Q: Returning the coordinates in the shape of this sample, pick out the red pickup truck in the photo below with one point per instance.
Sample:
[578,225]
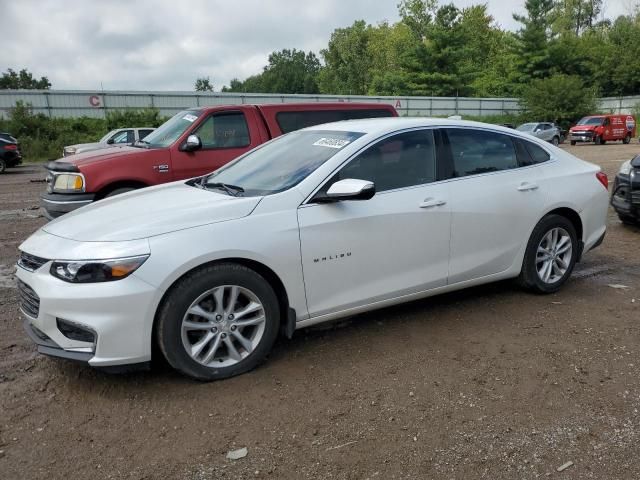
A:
[191,143]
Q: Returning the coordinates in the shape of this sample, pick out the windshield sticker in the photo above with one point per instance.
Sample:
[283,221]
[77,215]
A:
[190,118]
[332,143]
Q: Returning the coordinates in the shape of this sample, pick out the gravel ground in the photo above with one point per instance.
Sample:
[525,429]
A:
[491,382]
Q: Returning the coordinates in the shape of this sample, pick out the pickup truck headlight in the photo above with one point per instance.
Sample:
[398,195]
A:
[94,271]
[625,168]
[69,151]
[67,183]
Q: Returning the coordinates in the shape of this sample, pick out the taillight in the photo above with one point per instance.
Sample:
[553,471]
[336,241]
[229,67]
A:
[602,178]
[10,146]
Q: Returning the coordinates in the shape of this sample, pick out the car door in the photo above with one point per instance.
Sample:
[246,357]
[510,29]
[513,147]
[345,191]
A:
[397,243]
[495,198]
[224,135]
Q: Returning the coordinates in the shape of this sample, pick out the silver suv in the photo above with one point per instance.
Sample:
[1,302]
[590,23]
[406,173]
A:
[543,130]
[118,137]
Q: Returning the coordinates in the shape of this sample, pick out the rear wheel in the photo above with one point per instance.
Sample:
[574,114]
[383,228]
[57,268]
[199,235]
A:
[550,256]
[627,139]
[3,166]
[218,322]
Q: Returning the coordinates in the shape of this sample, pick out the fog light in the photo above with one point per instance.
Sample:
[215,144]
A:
[73,331]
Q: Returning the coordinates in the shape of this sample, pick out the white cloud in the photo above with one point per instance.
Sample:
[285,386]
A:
[166,45]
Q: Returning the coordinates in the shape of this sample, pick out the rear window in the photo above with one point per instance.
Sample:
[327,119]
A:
[291,121]
[538,154]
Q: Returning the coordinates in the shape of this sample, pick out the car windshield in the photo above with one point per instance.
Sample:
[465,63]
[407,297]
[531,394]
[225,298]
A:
[591,121]
[172,129]
[527,127]
[279,164]
[107,136]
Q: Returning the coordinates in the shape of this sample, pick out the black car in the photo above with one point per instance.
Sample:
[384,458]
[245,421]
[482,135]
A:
[625,197]
[10,154]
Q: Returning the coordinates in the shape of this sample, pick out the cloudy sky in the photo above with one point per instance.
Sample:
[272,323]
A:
[167,44]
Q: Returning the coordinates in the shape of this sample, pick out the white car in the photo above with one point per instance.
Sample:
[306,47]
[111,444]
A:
[118,137]
[315,225]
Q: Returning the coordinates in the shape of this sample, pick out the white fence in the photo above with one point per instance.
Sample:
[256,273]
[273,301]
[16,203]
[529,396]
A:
[78,103]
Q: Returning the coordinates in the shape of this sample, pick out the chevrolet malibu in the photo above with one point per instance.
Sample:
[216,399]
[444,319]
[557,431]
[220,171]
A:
[316,225]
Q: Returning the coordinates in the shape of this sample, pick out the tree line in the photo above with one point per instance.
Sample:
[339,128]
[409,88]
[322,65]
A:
[443,50]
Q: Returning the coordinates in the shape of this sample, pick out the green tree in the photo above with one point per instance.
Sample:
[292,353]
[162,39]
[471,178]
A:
[12,80]
[347,61]
[203,84]
[561,98]
[534,40]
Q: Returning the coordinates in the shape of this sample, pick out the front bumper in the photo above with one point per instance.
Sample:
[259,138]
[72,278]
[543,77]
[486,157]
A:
[625,197]
[580,137]
[56,204]
[119,314]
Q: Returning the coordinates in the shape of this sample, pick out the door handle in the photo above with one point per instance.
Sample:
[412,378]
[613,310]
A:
[432,202]
[526,187]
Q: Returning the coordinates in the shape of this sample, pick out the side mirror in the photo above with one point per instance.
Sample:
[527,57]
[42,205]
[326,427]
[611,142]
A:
[110,141]
[348,189]
[192,144]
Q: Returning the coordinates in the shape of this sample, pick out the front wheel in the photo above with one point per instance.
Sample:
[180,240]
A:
[555,141]
[627,139]
[217,322]
[573,142]
[3,166]
[599,140]
[550,256]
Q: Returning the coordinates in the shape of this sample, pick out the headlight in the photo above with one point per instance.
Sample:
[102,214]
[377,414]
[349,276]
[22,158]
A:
[69,151]
[92,271]
[625,168]
[68,183]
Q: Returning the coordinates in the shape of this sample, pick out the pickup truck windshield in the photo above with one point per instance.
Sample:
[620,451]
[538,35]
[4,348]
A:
[591,121]
[172,129]
[281,163]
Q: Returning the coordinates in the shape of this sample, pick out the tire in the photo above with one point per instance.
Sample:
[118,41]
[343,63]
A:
[599,140]
[555,141]
[213,359]
[119,191]
[629,220]
[530,276]
[3,166]
[627,139]
[573,142]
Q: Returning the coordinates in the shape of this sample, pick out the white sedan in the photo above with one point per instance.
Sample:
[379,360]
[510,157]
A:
[316,225]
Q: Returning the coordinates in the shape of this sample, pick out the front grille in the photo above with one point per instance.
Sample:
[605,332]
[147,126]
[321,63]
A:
[31,262]
[635,197]
[29,300]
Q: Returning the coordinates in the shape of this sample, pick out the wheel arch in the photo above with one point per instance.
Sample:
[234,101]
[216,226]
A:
[287,315]
[574,217]
[110,187]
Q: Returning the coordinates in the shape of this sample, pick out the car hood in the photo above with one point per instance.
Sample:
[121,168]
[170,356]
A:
[582,128]
[92,156]
[148,212]
[89,146]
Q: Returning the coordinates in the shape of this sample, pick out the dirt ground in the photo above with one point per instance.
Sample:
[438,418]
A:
[490,383]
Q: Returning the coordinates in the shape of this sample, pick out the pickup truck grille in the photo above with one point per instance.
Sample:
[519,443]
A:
[29,300]
[31,262]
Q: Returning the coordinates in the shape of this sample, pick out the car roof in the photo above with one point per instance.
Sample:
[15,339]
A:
[391,124]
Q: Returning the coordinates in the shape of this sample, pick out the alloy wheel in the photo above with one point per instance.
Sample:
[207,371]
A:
[223,326]
[553,256]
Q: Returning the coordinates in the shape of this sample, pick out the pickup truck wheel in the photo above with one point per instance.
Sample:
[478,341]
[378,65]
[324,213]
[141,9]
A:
[119,191]
[218,322]
[555,141]
[599,140]
[3,166]
[550,256]
[573,142]
[627,139]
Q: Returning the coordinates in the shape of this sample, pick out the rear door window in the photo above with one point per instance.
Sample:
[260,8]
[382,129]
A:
[479,151]
[143,133]
[290,121]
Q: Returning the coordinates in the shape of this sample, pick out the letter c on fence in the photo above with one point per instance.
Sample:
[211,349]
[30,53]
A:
[94,100]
